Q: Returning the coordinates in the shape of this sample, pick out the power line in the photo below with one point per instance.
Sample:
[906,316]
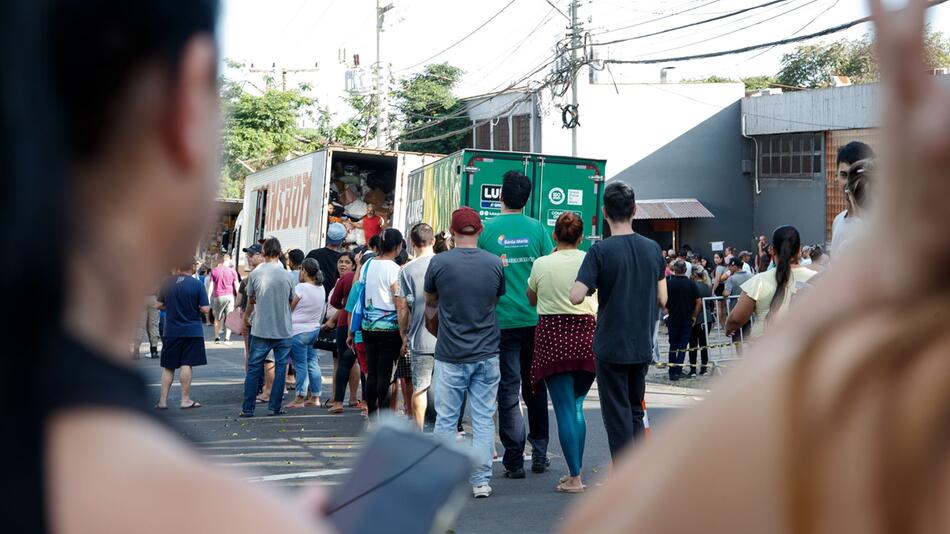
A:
[798,31]
[545,20]
[558,9]
[486,98]
[690,25]
[790,40]
[456,43]
[737,30]
[711,2]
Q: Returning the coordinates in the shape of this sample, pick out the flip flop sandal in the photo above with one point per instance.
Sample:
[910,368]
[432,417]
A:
[562,489]
[157,407]
[192,406]
[336,409]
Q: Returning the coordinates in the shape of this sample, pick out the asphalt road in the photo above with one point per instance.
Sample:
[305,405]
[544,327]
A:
[309,446]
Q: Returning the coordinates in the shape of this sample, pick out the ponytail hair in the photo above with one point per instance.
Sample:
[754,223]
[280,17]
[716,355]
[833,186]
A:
[787,244]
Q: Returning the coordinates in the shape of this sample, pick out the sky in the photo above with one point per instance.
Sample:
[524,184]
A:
[299,34]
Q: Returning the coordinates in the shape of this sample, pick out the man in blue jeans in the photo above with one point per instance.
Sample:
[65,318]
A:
[267,318]
[683,305]
[462,288]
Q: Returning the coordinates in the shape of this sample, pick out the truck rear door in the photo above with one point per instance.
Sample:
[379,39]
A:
[482,173]
[569,184]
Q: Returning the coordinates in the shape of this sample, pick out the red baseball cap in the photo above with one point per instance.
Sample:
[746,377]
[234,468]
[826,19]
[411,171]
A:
[466,221]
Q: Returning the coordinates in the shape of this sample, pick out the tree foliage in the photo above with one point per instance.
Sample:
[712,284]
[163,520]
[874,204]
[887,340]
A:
[814,65]
[425,99]
[263,128]
[757,83]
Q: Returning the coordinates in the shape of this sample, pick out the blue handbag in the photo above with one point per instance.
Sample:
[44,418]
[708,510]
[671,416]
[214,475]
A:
[355,302]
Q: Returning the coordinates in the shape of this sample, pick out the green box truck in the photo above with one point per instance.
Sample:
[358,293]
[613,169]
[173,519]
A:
[473,178]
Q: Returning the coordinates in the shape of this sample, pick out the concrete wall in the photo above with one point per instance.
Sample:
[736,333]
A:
[800,203]
[668,141]
[816,110]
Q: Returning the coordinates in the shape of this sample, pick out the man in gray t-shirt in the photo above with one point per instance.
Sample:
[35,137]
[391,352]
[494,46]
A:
[411,307]
[463,286]
[737,277]
[269,291]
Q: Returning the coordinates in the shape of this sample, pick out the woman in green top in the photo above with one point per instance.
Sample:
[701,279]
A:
[564,342]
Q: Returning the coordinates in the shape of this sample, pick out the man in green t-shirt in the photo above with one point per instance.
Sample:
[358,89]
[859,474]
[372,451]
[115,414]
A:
[518,240]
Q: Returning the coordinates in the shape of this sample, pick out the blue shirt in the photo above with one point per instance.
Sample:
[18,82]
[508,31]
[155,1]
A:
[183,297]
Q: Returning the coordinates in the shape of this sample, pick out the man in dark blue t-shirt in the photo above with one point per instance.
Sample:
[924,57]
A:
[627,271]
[185,301]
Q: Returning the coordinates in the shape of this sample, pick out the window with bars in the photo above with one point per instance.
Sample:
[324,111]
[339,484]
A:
[791,155]
[521,133]
[500,134]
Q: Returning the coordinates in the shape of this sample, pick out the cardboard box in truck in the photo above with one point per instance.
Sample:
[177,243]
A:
[473,178]
[292,200]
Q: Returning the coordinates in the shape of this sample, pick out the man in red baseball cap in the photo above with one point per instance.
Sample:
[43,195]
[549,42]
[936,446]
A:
[463,286]
[465,221]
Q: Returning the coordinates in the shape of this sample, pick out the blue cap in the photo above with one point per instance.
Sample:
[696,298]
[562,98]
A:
[336,234]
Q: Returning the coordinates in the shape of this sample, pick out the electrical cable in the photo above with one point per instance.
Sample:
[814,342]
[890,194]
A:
[737,30]
[486,98]
[659,18]
[796,32]
[789,40]
[507,53]
[456,43]
[558,10]
[690,25]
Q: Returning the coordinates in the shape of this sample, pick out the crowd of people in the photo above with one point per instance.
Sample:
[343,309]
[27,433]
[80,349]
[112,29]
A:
[496,315]
[839,426]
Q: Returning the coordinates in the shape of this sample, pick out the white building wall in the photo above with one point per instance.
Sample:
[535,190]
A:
[626,123]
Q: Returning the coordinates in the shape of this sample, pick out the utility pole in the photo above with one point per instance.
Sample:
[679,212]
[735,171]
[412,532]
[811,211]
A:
[283,72]
[575,42]
[382,118]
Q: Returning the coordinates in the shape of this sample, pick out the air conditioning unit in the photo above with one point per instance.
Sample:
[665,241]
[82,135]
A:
[358,81]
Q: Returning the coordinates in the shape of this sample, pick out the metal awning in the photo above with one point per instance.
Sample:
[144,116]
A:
[672,208]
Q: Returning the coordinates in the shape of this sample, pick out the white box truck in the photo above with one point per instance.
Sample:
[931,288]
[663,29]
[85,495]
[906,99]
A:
[290,201]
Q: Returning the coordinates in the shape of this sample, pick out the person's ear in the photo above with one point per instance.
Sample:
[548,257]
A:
[192,126]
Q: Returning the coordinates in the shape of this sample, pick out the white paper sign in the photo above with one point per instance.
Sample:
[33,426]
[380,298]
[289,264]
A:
[575,197]
[717,246]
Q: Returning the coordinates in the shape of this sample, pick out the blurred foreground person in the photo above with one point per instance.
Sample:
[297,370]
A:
[112,105]
[838,421]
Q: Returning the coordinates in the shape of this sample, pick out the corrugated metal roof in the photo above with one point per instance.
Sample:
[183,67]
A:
[672,208]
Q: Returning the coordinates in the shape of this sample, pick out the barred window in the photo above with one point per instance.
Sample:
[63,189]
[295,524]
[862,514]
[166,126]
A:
[791,155]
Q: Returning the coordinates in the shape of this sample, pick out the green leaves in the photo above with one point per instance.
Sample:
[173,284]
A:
[429,107]
[264,129]
[814,65]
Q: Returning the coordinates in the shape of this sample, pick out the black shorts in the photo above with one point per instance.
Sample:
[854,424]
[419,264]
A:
[178,351]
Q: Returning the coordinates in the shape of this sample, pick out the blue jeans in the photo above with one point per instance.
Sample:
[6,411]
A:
[306,364]
[567,391]
[517,349]
[480,380]
[259,347]
[679,342]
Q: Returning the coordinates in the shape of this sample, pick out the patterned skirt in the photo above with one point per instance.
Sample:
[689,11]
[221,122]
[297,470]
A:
[562,343]
[403,367]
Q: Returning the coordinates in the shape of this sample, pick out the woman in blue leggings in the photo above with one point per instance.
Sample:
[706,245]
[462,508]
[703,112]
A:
[564,342]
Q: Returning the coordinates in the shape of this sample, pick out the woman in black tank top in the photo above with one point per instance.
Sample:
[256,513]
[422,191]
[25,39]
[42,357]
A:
[108,142]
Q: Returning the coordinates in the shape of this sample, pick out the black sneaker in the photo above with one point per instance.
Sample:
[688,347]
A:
[540,464]
[278,412]
[515,473]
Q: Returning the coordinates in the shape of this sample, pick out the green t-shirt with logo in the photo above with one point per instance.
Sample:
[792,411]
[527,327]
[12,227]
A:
[518,240]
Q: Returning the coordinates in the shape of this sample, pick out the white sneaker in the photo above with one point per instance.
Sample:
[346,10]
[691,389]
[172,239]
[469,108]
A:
[481,492]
